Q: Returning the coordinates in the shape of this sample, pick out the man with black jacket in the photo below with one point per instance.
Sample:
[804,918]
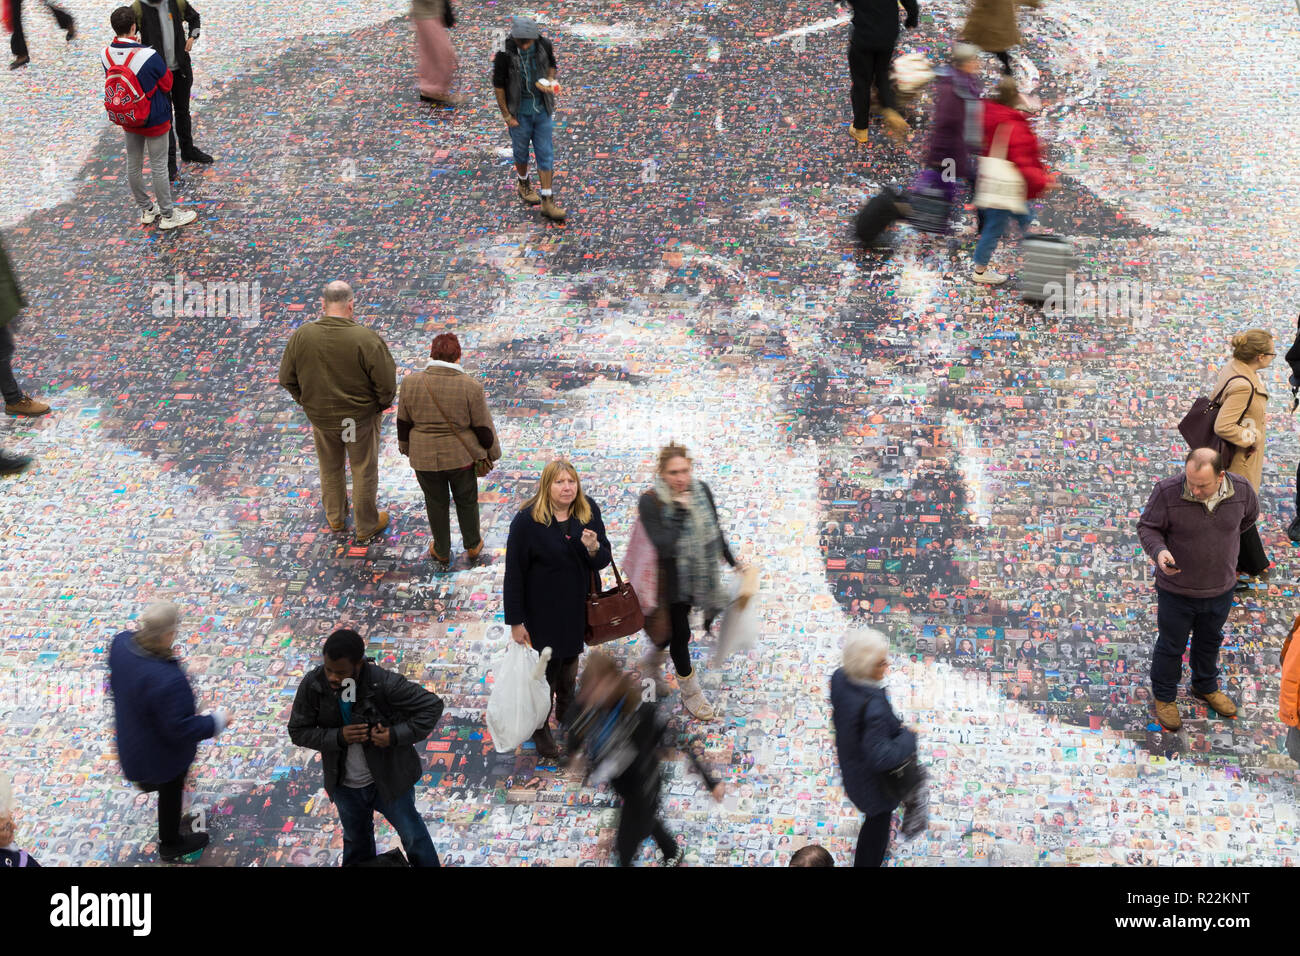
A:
[161,28]
[871,50]
[365,721]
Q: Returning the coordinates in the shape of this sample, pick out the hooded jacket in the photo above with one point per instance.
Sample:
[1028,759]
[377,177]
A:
[508,73]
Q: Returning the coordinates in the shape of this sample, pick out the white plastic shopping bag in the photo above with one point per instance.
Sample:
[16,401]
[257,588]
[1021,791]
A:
[520,699]
[738,631]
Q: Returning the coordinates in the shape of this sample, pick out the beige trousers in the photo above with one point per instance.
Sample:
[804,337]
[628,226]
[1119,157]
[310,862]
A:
[363,452]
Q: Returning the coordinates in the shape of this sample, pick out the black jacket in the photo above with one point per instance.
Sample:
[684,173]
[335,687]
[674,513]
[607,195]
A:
[663,523]
[405,707]
[870,741]
[548,577]
[508,73]
[151,30]
[875,22]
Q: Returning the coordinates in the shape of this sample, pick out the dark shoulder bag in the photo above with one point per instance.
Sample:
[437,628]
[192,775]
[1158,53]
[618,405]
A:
[899,781]
[481,465]
[1197,426]
[614,613]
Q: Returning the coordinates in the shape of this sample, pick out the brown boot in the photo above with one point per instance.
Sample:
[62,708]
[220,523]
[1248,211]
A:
[545,743]
[28,406]
[895,125]
[441,559]
[527,193]
[1222,704]
[552,211]
[1167,714]
[474,552]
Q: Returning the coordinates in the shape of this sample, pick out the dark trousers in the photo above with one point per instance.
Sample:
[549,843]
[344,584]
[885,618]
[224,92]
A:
[357,806]
[639,820]
[679,643]
[562,675]
[182,126]
[1176,617]
[1005,58]
[873,840]
[169,808]
[439,488]
[867,67]
[18,42]
[8,384]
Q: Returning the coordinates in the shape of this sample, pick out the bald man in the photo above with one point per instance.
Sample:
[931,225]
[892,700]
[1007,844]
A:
[1191,527]
[343,376]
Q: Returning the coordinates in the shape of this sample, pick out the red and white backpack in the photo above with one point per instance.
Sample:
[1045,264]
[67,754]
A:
[125,100]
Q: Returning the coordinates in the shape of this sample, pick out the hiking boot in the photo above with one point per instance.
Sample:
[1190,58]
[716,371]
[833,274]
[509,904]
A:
[190,843]
[552,211]
[1168,716]
[545,743]
[9,464]
[196,155]
[147,216]
[527,193]
[383,523]
[179,217]
[26,406]
[861,135]
[988,277]
[1221,703]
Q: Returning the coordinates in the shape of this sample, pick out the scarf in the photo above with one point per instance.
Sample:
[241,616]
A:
[699,548]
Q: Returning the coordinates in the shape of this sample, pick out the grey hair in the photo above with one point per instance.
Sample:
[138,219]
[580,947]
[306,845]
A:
[964,52]
[155,622]
[337,291]
[864,649]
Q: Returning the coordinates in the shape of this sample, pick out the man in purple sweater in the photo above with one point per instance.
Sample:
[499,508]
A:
[1191,527]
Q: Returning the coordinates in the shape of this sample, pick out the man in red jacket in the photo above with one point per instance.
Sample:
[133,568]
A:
[1004,122]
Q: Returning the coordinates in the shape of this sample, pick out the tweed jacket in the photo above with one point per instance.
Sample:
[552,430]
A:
[337,369]
[429,439]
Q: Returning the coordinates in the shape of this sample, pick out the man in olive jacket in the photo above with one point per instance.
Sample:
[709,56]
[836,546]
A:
[365,721]
[343,376]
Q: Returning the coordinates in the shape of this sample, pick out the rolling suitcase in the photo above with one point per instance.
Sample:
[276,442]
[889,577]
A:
[1048,259]
[880,212]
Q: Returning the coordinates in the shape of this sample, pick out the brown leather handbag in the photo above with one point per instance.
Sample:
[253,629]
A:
[614,613]
[481,465]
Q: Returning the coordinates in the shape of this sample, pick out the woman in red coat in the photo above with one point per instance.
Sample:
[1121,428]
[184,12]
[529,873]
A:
[1003,121]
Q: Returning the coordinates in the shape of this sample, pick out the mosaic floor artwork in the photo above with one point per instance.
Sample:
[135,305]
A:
[890,443]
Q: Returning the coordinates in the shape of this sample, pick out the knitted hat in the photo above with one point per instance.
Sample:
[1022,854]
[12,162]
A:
[522,28]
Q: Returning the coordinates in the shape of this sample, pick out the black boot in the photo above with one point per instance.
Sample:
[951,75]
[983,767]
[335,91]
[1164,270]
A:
[545,743]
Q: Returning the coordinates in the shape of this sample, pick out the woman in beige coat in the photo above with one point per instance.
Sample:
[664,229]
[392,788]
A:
[991,26]
[444,427]
[1241,422]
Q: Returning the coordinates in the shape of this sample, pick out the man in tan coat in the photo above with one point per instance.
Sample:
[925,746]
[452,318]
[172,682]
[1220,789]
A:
[991,26]
[444,427]
[343,376]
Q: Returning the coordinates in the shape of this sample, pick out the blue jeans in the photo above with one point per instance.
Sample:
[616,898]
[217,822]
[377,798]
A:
[357,806]
[1176,617]
[533,128]
[995,223]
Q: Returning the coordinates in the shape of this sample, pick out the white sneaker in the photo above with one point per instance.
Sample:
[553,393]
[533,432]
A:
[179,217]
[987,277]
[147,216]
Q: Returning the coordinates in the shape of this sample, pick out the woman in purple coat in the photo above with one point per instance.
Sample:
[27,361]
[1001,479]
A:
[957,135]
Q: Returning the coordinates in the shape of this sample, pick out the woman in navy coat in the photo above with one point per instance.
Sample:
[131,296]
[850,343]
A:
[869,739]
[555,544]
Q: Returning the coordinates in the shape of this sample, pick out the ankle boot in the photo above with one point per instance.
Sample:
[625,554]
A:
[527,193]
[652,665]
[693,698]
[551,211]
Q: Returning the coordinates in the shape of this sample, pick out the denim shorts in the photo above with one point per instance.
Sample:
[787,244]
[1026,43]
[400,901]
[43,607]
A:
[534,128]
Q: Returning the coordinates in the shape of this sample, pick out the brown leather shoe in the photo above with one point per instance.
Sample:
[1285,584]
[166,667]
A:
[1222,704]
[475,551]
[438,557]
[26,406]
[545,743]
[337,528]
[383,523]
[1167,714]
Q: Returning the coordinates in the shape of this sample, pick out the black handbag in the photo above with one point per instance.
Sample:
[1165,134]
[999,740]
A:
[448,16]
[903,779]
[1197,426]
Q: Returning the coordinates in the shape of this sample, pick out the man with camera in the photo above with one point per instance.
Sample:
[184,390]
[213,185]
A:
[365,721]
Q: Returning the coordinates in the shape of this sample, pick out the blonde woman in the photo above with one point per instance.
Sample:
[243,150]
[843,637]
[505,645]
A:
[1241,422]
[555,543]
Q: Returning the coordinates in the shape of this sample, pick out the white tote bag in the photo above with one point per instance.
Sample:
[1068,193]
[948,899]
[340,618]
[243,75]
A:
[520,698]
[999,184]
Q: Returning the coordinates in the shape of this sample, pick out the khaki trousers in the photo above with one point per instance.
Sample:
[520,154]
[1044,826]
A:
[363,452]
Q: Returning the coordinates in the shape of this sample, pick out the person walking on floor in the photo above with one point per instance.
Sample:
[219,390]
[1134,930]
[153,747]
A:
[991,26]
[620,735]
[681,520]
[366,721]
[12,303]
[957,134]
[157,728]
[870,740]
[1007,134]
[523,75]
[1240,423]
[149,71]
[171,27]
[1293,360]
[555,543]
[435,57]
[444,428]
[871,51]
[344,377]
[13,10]
[1191,528]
